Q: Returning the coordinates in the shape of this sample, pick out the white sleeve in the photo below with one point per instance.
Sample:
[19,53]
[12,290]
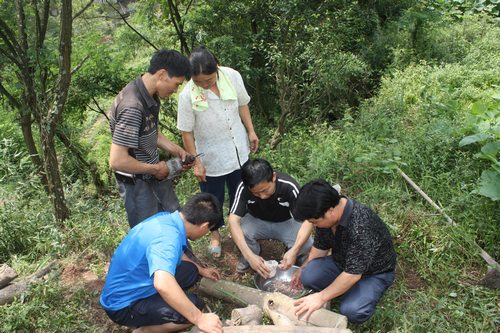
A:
[237,80]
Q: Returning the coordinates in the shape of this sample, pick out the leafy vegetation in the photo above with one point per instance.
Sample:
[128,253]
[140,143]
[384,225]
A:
[341,90]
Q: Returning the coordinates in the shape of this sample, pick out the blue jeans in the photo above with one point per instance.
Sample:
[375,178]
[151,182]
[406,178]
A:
[358,303]
[144,198]
[153,310]
[216,186]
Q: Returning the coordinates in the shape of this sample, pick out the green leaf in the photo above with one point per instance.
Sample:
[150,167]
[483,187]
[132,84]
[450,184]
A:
[489,185]
[473,138]
[478,108]
[491,148]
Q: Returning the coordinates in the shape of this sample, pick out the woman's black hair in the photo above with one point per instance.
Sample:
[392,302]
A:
[203,61]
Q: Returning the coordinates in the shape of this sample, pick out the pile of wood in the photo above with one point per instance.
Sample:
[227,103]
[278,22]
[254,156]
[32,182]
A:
[10,289]
[276,306]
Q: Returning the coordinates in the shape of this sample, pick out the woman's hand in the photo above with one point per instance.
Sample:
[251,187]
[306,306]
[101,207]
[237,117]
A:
[199,172]
[254,141]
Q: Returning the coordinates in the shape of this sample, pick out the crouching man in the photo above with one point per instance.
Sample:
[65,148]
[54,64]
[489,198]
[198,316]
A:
[149,273]
[362,261]
[262,210]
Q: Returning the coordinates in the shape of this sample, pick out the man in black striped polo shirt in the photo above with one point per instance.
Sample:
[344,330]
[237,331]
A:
[262,210]
[142,178]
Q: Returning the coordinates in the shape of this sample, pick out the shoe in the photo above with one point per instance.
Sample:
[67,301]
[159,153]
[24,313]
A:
[242,265]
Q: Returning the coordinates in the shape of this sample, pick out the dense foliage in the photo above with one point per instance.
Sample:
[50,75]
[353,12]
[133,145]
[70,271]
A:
[349,91]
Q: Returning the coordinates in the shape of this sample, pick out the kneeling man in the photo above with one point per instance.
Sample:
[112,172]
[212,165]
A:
[362,261]
[149,272]
[262,210]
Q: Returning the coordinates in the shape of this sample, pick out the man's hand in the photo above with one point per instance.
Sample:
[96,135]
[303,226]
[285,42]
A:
[209,323]
[199,172]
[295,283]
[258,264]
[210,273]
[161,170]
[307,305]
[289,259]
[254,141]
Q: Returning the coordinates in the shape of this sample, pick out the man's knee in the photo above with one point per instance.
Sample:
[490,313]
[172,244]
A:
[308,278]
[356,312]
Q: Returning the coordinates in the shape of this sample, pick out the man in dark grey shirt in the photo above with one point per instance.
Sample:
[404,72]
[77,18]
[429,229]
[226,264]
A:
[141,176]
[362,261]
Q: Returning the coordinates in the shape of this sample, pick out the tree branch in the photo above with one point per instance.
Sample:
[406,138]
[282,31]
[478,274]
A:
[131,27]
[12,100]
[84,8]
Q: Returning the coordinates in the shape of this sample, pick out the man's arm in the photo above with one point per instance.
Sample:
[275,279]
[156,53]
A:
[169,146]
[171,292]
[211,273]
[120,160]
[313,302]
[255,261]
[303,235]
[189,144]
[247,121]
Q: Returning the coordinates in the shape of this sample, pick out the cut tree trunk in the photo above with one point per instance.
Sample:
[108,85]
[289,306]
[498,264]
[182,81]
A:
[7,274]
[14,290]
[321,317]
[283,329]
[238,294]
[278,318]
[251,315]
[232,292]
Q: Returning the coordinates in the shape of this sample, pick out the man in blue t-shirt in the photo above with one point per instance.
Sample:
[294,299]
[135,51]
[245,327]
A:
[150,273]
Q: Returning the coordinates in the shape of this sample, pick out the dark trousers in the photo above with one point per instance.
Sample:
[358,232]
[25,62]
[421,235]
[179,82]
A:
[216,186]
[358,303]
[153,310]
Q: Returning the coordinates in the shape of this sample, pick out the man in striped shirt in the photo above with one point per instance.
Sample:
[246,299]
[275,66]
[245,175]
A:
[142,177]
[262,210]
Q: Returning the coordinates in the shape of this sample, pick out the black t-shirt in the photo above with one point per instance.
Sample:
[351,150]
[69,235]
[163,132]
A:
[277,208]
[362,243]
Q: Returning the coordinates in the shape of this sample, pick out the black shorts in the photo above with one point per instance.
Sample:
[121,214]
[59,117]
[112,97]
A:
[149,311]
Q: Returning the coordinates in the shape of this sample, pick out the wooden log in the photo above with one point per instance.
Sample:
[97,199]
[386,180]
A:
[321,317]
[13,290]
[232,292]
[7,274]
[278,318]
[244,316]
[283,329]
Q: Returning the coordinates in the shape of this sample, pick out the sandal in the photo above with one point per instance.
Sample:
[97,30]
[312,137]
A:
[215,250]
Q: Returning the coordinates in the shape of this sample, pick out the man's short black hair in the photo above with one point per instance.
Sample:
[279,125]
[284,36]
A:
[314,199]
[172,61]
[256,171]
[203,61]
[203,207]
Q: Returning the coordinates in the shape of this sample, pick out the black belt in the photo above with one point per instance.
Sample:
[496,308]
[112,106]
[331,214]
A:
[131,180]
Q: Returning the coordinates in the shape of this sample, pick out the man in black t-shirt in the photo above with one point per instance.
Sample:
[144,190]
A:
[362,261]
[262,210]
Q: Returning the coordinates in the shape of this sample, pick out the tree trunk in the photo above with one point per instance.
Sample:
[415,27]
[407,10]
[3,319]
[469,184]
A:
[14,290]
[283,329]
[51,165]
[321,317]
[232,292]
[32,149]
[251,315]
[7,274]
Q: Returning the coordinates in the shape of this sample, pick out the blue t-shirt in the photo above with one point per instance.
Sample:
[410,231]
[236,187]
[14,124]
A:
[157,243]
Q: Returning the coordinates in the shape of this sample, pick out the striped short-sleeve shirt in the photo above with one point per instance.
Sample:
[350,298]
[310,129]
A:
[134,122]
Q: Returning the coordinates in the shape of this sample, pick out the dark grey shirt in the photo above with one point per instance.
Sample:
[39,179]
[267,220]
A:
[361,244]
[134,122]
